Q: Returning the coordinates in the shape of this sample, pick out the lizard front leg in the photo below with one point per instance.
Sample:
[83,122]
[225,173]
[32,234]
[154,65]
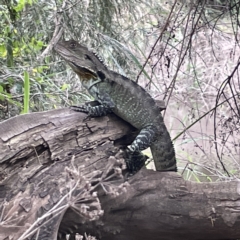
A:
[99,108]
[96,111]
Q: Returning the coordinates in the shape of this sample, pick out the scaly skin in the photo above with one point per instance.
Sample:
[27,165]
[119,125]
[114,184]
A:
[125,98]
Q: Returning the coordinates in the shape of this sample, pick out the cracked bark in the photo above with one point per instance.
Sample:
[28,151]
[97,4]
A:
[53,162]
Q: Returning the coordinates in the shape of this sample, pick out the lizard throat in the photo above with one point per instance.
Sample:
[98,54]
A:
[83,73]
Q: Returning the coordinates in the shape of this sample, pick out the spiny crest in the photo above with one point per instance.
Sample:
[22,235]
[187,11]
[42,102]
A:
[98,56]
[93,51]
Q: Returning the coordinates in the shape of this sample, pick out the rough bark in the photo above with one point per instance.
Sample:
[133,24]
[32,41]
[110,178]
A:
[52,163]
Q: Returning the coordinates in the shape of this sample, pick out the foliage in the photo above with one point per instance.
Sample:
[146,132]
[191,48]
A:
[185,52]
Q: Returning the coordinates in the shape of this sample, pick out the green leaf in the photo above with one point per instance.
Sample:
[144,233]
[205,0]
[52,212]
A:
[26,92]
[64,86]
[3,51]
[21,4]
[1,91]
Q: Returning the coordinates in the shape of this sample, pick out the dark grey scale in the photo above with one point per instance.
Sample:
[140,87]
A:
[147,134]
[135,160]
[98,111]
[144,139]
[167,165]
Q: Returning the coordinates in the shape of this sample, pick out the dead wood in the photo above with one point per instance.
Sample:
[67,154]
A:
[61,173]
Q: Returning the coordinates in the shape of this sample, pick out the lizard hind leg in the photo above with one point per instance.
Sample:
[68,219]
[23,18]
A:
[144,139]
[135,159]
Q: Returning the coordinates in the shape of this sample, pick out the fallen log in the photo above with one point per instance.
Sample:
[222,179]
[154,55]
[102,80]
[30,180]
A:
[63,174]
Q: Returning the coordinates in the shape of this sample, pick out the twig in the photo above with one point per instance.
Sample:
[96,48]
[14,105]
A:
[57,32]
[160,36]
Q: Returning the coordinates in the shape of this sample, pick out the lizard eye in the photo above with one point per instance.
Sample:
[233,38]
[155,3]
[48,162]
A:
[72,44]
[87,57]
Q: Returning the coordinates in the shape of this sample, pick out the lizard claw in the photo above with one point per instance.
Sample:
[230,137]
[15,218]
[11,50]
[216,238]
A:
[82,108]
[88,117]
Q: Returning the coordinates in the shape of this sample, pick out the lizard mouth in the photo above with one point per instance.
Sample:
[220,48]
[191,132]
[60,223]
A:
[82,71]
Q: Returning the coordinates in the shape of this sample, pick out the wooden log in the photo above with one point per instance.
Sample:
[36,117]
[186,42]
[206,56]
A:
[62,174]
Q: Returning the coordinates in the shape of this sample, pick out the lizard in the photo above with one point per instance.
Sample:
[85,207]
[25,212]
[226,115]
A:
[122,96]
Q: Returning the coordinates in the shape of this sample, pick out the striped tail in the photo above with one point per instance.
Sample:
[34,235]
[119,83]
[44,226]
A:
[163,153]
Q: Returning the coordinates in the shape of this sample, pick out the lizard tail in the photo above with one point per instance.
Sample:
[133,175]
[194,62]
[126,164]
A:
[163,153]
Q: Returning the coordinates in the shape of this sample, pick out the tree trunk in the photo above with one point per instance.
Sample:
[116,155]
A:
[62,174]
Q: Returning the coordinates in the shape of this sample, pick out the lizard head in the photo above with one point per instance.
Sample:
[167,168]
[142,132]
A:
[83,62]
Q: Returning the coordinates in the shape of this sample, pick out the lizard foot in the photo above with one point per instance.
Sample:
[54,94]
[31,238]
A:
[134,160]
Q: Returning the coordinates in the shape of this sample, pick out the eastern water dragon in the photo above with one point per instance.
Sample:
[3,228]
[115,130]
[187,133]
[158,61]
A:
[124,97]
